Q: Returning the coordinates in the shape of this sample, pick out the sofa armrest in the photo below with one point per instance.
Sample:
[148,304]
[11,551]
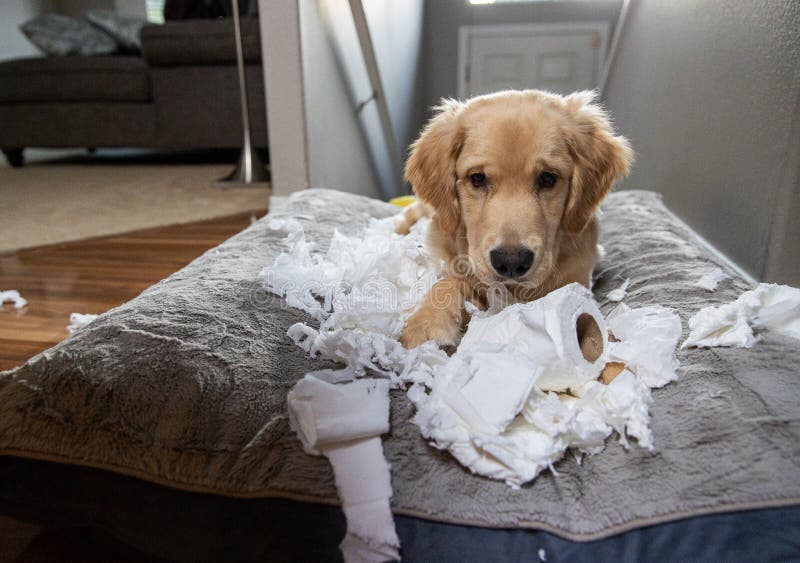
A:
[199,42]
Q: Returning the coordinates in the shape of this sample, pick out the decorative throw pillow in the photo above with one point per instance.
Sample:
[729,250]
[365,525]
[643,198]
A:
[124,29]
[61,35]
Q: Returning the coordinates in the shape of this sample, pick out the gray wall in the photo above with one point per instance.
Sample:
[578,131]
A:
[708,92]
[783,253]
[443,18]
[13,13]
[346,149]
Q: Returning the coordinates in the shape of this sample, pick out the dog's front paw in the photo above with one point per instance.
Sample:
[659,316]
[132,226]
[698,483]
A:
[401,225]
[425,325]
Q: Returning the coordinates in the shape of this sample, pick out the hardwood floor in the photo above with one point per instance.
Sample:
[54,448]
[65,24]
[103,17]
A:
[92,276]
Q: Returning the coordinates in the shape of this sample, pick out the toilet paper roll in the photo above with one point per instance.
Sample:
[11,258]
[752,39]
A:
[324,413]
[550,331]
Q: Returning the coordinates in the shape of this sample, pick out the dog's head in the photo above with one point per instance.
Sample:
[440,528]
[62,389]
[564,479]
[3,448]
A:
[516,170]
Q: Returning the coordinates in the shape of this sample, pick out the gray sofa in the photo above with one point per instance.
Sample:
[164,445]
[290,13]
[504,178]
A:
[182,93]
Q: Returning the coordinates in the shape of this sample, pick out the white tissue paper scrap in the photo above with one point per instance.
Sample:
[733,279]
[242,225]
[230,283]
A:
[13,296]
[344,422]
[324,413]
[710,280]
[767,307]
[519,390]
[618,294]
[78,320]
[645,341]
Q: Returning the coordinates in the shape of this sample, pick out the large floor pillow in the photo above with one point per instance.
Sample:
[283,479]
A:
[185,386]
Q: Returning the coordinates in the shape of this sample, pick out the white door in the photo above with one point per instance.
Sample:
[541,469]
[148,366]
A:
[559,58]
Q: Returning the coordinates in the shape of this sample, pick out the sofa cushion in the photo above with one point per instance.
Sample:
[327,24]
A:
[78,124]
[199,42]
[124,29]
[106,79]
[61,35]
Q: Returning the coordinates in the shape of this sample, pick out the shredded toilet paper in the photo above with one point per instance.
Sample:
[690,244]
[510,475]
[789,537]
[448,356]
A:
[79,320]
[361,290]
[710,280]
[518,392]
[13,296]
[767,307]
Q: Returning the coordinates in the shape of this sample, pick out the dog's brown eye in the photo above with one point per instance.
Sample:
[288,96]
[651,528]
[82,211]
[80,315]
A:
[547,180]
[478,179]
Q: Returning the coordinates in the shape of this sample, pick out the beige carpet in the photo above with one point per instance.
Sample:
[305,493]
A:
[47,203]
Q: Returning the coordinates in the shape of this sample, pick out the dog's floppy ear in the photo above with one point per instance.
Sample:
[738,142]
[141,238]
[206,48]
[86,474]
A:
[431,166]
[600,159]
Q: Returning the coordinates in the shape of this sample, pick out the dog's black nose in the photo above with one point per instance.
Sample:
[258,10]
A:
[511,262]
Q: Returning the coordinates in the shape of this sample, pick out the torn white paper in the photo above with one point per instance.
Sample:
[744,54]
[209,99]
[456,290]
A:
[364,483]
[710,280]
[323,413]
[545,330]
[360,282]
[645,341]
[495,404]
[361,290]
[519,391]
[344,422]
[79,320]
[618,294]
[767,307]
[12,296]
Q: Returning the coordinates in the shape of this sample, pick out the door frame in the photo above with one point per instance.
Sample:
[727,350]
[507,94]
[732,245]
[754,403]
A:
[465,32]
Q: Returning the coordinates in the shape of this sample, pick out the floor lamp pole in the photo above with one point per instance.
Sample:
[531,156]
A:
[250,168]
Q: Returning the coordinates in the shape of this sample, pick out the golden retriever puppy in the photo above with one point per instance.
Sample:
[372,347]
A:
[512,181]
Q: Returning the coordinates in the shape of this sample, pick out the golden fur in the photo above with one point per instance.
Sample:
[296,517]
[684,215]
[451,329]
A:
[510,137]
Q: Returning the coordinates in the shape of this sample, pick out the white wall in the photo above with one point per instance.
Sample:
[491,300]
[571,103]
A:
[346,149]
[338,154]
[13,44]
[708,93]
[396,28]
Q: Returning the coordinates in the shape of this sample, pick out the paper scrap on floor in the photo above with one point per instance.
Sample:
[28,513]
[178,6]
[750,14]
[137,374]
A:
[13,296]
[767,307]
[79,320]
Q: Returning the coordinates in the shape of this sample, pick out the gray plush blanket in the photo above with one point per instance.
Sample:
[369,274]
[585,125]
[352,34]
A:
[186,386]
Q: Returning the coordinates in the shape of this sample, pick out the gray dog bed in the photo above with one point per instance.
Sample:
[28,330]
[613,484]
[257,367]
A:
[186,386]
